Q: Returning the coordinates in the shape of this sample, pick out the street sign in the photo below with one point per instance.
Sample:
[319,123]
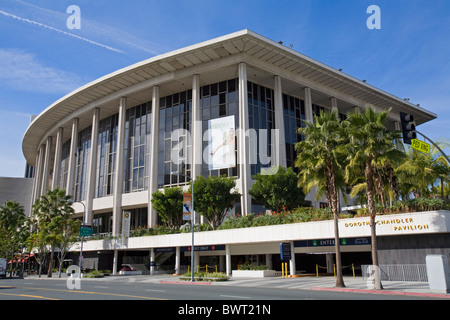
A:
[285,251]
[420,146]
[86,231]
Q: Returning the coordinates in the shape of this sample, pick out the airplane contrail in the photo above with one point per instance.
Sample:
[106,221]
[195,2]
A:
[60,31]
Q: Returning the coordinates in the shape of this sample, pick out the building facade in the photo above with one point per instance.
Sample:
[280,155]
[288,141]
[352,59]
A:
[115,141]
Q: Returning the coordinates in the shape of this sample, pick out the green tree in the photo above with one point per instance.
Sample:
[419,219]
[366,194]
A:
[67,233]
[213,196]
[52,212]
[370,143]
[278,191]
[321,163]
[13,232]
[168,205]
[420,173]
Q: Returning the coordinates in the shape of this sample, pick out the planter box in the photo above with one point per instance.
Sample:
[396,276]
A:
[254,273]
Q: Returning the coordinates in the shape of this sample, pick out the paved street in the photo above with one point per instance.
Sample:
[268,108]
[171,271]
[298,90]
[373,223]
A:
[168,287]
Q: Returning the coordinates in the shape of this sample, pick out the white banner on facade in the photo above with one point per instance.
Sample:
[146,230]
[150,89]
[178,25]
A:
[221,153]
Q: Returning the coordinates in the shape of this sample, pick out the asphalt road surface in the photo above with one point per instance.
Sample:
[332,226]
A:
[41,289]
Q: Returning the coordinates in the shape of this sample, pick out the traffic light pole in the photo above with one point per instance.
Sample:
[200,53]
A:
[434,144]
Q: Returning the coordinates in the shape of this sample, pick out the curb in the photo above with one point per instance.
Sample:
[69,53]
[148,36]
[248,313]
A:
[385,292]
[195,283]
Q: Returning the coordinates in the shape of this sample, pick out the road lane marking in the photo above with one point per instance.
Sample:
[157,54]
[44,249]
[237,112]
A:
[27,296]
[96,293]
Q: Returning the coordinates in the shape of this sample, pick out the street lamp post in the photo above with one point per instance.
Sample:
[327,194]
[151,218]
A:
[176,173]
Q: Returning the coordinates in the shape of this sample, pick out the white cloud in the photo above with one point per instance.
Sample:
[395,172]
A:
[58,30]
[94,30]
[21,71]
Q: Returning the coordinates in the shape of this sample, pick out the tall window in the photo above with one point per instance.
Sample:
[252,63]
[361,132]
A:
[137,147]
[64,165]
[294,115]
[106,155]
[83,153]
[175,117]
[261,117]
[102,223]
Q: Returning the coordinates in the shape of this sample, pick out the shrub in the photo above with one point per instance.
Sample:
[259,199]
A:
[247,266]
[94,274]
[204,276]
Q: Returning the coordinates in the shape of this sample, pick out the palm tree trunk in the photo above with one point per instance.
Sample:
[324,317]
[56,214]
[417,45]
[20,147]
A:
[333,200]
[337,245]
[371,206]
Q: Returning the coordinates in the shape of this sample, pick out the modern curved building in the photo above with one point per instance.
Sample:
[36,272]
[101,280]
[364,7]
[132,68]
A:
[116,140]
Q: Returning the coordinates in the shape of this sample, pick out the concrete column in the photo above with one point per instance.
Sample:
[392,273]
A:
[334,104]
[38,174]
[115,261]
[330,262]
[197,139]
[243,147]
[398,142]
[33,193]
[57,164]
[228,259]
[72,158]
[279,145]
[46,168]
[118,174]
[177,260]
[292,265]
[269,263]
[152,261]
[308,105]
[92,166]
[153,172]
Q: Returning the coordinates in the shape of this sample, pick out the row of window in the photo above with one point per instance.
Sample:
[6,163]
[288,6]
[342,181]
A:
[174,150]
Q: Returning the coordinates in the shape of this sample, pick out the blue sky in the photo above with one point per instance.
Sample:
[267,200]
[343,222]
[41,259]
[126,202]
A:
[42,60]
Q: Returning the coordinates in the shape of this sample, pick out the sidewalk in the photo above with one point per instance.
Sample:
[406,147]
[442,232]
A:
[357,284]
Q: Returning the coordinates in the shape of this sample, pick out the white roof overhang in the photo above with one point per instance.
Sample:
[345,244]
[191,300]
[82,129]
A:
[174,70]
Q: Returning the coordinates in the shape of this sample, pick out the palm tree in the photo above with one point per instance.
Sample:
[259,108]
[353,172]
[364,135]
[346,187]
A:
[320,162]
[421,171]
[12,221]
[369,145]
[51,210]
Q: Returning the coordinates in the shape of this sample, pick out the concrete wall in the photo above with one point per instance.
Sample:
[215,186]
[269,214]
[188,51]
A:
[269,237]
[412,249]
[18,189]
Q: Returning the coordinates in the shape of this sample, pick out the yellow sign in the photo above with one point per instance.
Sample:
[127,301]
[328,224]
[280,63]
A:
[420,146]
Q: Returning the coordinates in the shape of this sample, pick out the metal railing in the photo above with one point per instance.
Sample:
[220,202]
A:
[398,272]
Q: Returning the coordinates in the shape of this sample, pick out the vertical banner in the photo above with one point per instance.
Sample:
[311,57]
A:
[126,217]
[221,153]
[187,206]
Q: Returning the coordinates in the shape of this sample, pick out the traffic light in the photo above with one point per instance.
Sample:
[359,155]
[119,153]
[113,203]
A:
[408,127]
